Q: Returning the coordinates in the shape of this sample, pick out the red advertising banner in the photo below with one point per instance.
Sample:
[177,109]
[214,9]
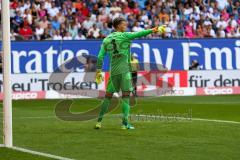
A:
[217,90]
[26,95]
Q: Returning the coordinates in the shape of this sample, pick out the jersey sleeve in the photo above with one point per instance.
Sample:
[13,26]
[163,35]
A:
[101,55]
[134,35]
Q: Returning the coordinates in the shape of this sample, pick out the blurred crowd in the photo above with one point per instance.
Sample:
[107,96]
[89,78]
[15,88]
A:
[92,19]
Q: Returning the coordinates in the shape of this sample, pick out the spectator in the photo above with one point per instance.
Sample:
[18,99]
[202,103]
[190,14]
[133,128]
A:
[104,9]
[84,10]
[80,36]
[98,23]
[67,36]
[207,21]
[115,8]
[105,31]
[92,17]
[53,10]
[168,31]
[28,16]
[70,15]
[222,4]
[173,23]
[38,31]
[16,21]
[14,4]
[187,11]
[42,12]
[238,32]
[233,22]
[90,35]
[195,15]
[13,35]
[55,23]
[180,30]
[214,16]
[44,23]
[27,5]
[136,27]
[68,4]
[163,15]
[94,31]
[63,29]
[25,31]
[61,18]
[230,27]
[126,9]
[174,34]
[211,32]
[45,35]
[87,24]
[64,9]
[49,29]
[205,31]
[34,11]
[21,7]
[77,5]
[135,10]
[73,30]
[57,35]
[189,33]
[225,14]
[222,23]
[114,14]
[47,4]
[199,32]
[193,24]
[221,33]
[95,10]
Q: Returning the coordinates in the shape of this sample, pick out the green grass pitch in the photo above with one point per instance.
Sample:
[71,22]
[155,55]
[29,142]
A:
[35,127]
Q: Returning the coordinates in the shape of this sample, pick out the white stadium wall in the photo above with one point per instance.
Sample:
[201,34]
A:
[153,83]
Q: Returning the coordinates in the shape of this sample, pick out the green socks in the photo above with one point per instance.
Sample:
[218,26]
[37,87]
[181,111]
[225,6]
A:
[125,109]
[104,108]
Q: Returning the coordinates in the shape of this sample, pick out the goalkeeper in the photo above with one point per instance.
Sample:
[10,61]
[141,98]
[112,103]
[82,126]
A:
[117,45]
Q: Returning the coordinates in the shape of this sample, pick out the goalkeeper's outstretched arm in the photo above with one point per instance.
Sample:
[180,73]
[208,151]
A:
[134,35]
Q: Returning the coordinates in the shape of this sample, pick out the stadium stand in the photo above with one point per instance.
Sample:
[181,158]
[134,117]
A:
[91,19]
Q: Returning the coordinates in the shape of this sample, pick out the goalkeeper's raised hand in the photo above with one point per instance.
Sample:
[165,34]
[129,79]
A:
[159,29]
[99,76]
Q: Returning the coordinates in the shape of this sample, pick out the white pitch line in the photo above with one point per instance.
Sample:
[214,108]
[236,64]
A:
[215,120]
[40,153]
[142,115]
[189,119]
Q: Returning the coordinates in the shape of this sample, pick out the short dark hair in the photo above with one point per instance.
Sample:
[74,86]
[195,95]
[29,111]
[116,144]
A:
[117,21]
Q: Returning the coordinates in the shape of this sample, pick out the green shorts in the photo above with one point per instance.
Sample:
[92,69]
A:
[119,82]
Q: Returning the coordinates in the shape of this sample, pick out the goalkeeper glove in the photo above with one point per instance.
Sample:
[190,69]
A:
[162,29]
[99,76]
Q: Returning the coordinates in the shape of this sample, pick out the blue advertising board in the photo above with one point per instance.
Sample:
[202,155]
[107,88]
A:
[177,54]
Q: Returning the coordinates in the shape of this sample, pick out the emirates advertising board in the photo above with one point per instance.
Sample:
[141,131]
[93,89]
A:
[174,54]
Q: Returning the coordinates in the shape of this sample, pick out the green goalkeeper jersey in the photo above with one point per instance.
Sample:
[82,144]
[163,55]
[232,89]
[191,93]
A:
[117,45]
